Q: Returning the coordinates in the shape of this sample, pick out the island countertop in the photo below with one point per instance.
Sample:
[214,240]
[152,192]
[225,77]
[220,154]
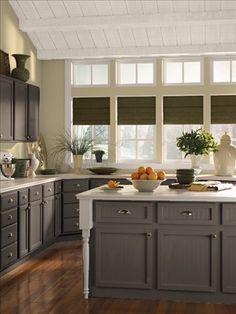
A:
[162,193]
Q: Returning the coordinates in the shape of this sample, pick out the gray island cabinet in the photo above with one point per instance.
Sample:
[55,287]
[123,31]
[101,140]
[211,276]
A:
[178,245]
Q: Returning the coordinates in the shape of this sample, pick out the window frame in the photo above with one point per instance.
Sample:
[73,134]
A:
[221,58]
[91,63]
[183,60]
[136,62]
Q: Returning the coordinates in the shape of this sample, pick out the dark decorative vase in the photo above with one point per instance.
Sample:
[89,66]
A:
[98,155]
[20,72]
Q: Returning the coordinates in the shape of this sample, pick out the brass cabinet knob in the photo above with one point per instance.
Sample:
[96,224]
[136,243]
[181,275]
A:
[76,224]
[77,185]
[214,236]
[10,255]
[10,200]
[10,217]
[149,234]
[124,212]
[186,213]
[10,235]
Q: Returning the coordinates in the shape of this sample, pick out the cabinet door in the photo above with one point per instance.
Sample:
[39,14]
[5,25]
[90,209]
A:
[6,109]
[23,230]
[35,234]
[229,262]
[123,258]
[48,219]
[187,260]
[33,112]
[20,111]
[58,214]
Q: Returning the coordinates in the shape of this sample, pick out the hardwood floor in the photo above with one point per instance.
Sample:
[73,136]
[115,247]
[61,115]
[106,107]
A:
[51,283]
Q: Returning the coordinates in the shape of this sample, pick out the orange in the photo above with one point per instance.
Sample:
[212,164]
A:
[143,176]
[152,176]
[135,175]
[141,169]
[161,175]
[149,170]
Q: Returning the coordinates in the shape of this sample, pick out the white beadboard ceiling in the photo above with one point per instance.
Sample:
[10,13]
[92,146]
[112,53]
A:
[122,28]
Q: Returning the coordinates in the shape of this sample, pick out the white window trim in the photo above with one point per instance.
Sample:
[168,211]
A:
[91,63]
[136,62]
[183,60]
[223,58]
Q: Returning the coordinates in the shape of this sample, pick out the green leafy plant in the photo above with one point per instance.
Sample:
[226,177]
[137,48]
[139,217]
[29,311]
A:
[77,145]
[196,142]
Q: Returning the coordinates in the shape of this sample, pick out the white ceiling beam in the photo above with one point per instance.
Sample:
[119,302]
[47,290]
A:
[136,51]
[125,21]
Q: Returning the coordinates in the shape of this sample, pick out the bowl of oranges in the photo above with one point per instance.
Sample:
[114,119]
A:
[146,179]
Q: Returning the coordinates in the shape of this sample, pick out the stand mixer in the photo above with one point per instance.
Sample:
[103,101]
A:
[7,169]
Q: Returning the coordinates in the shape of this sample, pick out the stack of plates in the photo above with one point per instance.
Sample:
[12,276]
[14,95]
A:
[48,171]
[185,176]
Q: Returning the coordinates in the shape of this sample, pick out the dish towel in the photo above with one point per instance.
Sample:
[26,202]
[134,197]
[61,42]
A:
[209,186]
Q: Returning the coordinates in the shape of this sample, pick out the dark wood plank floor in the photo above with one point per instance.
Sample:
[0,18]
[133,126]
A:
[51,283]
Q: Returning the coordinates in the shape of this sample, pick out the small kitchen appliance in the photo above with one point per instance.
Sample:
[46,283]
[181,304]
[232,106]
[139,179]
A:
[7,169]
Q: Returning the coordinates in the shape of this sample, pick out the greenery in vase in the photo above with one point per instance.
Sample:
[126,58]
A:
[196,142]
[77,145]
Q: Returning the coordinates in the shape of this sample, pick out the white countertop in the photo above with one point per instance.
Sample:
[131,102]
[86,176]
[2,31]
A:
[162,193]
[7,186]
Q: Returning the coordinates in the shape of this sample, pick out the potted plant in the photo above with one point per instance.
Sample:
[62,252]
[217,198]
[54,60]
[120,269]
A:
[196,143]
[98,154]
[77,145]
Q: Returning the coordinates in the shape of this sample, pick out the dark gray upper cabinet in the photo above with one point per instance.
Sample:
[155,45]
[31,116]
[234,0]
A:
[20,111]
[33,113]
[6,108]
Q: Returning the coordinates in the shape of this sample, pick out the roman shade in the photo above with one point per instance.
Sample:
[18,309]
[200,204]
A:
[223,109]
[136,110]
[91,111]
[183,109]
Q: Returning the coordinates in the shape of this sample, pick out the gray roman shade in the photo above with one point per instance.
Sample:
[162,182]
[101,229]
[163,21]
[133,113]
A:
[223,109]
[183,109]
[91,111]
[136,110]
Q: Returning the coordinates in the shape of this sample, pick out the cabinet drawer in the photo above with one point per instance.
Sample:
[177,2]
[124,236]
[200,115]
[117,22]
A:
[8,217]
[48,189]
[125,212]
[187,213]
[69,198]
[75,185]
[35,193]
[8,200]
[71,225]
[57,187]
[229,214]
[70,210]
[8,255]
[9,235]
[23,197]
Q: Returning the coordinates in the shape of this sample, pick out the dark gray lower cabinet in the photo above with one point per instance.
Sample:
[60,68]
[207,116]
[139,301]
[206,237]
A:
[229,262]
[123,258]
[58,213]
[48,219]
[24,230]
[187,260]
[35,225]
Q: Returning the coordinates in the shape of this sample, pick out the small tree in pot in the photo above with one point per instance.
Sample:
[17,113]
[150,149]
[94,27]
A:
[195,143]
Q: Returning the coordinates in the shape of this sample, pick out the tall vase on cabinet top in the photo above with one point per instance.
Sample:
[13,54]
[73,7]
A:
[20,72]
[34,163]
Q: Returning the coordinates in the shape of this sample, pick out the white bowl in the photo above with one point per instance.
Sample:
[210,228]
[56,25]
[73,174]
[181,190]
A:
[146,185]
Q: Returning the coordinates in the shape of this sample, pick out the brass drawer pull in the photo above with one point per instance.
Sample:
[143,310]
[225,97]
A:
[10,255]
[76,224]
[10,217]
[49,190]
[36,193]
[186,213]
[149,234]
[124,212]
[10,200]
[77,185]
[10,235]
[214,236]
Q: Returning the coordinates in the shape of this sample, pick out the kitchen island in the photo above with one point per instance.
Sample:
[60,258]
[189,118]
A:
[170,244]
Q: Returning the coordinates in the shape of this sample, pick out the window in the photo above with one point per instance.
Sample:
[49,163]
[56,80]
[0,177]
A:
[91,115]
[89,74]
[224,71]
[182,72]
[136,128]
[223,116]
[131,73]
[181,114]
